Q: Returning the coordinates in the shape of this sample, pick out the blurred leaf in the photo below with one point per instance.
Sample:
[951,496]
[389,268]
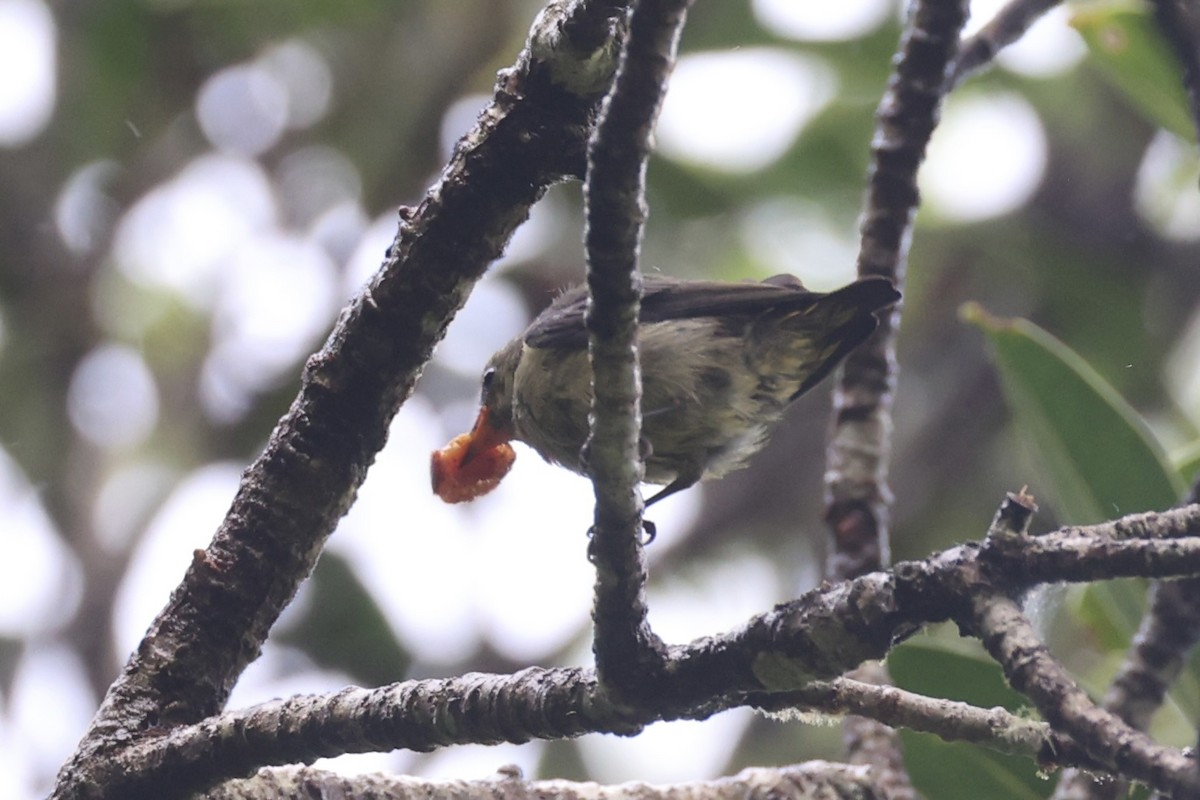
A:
[1097,454]
[1187,461]
[11,651]
[1131,54]
[942,769]
[714,26]
[951,770]
[345,629]
[953,672]
[1096,451]
[1111,611]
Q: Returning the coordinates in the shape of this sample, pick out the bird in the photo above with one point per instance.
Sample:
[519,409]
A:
[720,364]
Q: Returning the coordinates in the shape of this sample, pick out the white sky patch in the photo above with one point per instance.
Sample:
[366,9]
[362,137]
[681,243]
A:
[338,230]
[785,234]
[39,582]
[368,254]
[51,704]
[667,752]
[409,548]
[185,522]
[532,579]
[125,500]
[986,158]
[278,299]
[16,771]
[822,22]
[738,111]
[459,118]
[533,582]
[493,315]
[718,598]
[510,567]
[478,762]
[315,179]
[28,37]
[549,221]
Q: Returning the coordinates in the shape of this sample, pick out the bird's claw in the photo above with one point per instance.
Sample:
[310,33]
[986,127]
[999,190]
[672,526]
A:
[648,528]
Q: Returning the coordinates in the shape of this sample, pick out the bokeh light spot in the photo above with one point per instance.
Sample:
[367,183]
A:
[986,158]
[83,210]
[39,582]
[789,235]
[113,400]
[741,110]
[28,37]
[1165,192]
[821,22]
[243,109]
[279,297]
[179,235]
[306,78]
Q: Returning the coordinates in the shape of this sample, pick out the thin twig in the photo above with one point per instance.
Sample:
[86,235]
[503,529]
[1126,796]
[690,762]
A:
[811,781]
[1009,25]
[1011,639]
[858,500]
[950,720]
[1168,632]
[857,497]
[628,654]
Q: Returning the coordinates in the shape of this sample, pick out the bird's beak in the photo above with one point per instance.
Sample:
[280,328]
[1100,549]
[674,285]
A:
[484,436]
[474,463]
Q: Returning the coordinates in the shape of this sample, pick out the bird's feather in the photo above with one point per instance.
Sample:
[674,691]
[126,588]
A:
[561,326]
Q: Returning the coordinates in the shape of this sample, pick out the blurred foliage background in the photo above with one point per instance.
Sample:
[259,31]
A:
[190,190]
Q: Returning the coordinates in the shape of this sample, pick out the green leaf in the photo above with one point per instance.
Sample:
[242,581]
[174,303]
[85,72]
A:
[343,628]
[1129,51]
[1097,453]
[957,670]
[953,770]
[1187,462]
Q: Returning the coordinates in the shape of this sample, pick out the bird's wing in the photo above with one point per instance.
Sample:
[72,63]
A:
[561,325]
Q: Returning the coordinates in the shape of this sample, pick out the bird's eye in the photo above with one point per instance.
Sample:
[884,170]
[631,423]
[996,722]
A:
[488,376]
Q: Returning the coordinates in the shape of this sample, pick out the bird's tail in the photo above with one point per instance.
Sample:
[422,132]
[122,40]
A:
[824,333]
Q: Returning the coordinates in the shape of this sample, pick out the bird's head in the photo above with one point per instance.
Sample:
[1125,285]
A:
[474,463]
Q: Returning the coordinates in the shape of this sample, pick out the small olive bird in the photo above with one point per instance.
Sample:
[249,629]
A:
[720,363]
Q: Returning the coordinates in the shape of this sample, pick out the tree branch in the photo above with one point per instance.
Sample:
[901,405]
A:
[628,654]
[950,720]
[531,136]
[816,780]
[1010,638]
[1009,25]
[857,498]
[1169,630]
[816,637]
